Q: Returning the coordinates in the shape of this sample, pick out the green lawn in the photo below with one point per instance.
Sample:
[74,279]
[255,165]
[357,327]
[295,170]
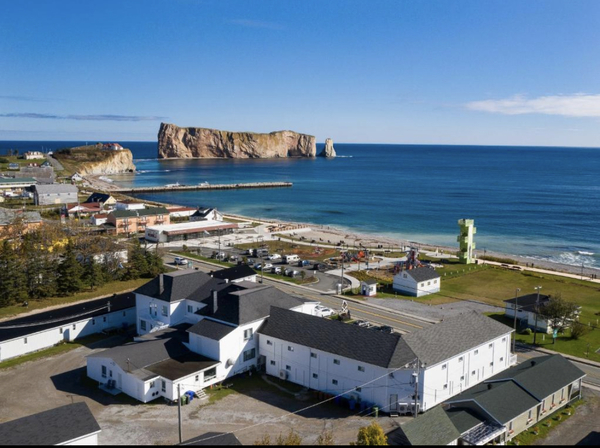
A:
[107,289]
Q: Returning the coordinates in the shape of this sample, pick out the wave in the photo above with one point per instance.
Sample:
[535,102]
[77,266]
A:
[144,160]
[344,157]
[570,258]
[153,171]
[583,252]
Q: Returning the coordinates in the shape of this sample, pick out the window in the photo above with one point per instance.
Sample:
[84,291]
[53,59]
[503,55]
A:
[502,359]
[404,276]
[104,318]
[93,321]
[315,376]
[336,361]
[288,367]
[503,339]
[248,334]
[74,326]
[103,371]
[358,389]
[491,364]
[210,374]
[444,366]
[428,283]
[290,348]
[434,282]
[190,309]
[164,310]
[562,395]
[462,378]
[143,324]
[249,354]
[473,372]
[510,427]
[313,355]
[422,284]
[445,386]
[460,359]
[60,330]
[163,385]
[334,382]
[197,378]
[25,340]
[476,352]
[152,384]
[361,368]
[269,342]
[273,363]
[490,346]
[553,399]
[529,416]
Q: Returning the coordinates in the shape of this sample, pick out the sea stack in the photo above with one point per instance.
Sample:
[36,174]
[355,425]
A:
[328,151]
[176,142]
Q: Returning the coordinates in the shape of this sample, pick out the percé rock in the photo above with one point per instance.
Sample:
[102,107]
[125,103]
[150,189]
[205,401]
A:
[176,142]
[328,151]
[117,162]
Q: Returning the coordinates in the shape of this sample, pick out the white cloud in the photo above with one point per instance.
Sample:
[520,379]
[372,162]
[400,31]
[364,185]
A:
[577,105]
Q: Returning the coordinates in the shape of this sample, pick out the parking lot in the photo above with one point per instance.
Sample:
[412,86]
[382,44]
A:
[55,381]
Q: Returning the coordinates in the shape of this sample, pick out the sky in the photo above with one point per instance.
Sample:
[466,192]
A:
[493,72]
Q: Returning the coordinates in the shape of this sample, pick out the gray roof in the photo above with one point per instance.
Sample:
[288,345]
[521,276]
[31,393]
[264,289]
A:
[18,180]
[234,273]
[453,336]
[56,188]
[52,427]
[527,302]
[151,211]
[161,353]
[214,438]
[332,336]
[422,274]
[433,427]
[464,419]
[98,197]
[182,284]
[8,216]
[514,391]
[211,329]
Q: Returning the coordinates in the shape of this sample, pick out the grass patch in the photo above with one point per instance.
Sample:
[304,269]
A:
[62,347]
[107,289]
[529,436]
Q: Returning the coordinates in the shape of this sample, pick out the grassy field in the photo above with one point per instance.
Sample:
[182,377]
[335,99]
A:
[107,289]
[15,159]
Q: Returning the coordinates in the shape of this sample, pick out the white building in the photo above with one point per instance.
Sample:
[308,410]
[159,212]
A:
[417,282]
[368,288]
[187,230]
[129,205]
[73,424]
[43,330]
[33,155]
[206,214]
[341,359]
[98,219]
[236,274]
[197,330]
[55,194]
[527,315]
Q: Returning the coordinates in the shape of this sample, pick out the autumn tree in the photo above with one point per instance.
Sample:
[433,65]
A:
[559,313]
[371,435]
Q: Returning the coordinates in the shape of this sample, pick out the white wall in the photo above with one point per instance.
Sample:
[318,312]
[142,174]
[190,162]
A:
[89,440]
[127,383]
[437,376]
[68,332]
[403,282]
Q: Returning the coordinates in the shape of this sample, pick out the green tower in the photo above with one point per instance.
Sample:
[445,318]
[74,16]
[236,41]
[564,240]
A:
[466,252]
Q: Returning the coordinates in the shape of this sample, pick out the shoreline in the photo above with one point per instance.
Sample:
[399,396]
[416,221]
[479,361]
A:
[330,235]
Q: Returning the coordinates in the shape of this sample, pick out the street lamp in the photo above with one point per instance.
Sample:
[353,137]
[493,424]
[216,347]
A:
[515,324]
[537,309]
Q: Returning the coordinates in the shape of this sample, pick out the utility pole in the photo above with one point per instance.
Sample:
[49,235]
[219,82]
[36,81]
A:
[342,277]
[416,377]
[515,324]
[179,409]
[537,309]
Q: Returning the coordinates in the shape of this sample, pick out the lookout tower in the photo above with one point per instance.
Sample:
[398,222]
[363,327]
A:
[466,254]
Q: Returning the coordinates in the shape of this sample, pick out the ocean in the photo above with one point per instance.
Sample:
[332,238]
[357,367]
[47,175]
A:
[538,202]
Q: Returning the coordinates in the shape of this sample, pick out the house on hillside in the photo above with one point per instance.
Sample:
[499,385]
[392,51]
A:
[9,218]
[55,194]
[112,147]
[83,209]
[33,155]
[527,307]
[137,220]
[206,214]
[102,198]
[236,274]
[72,424]
[334,357]
[129,205]
[417,282]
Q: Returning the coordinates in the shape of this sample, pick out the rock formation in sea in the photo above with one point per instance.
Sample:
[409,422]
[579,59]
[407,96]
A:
[176,142]
[328,151]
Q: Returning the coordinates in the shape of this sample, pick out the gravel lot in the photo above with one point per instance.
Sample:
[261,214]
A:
[55,381]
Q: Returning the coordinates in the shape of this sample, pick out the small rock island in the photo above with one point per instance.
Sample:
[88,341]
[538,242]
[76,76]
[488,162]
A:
[328,151]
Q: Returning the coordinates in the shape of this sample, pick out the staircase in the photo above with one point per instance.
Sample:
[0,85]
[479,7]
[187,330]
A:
[200,394]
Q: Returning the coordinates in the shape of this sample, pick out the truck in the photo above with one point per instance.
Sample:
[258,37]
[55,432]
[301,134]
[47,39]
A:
[291,258]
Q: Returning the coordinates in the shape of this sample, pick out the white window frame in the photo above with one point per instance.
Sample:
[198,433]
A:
[248,334]
[336,361]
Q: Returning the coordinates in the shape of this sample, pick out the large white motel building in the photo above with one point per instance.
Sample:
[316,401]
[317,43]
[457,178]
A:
[197,330]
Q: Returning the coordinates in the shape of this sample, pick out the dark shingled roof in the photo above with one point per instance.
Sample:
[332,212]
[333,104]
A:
[211,329]
[464,419]
[52,427]
[434,427]
[350,341]
[248,305]
[183,284]
[97,197]
[181,366]
[214,438]
[453,336]
[422,274]
[234,273]
[527,302]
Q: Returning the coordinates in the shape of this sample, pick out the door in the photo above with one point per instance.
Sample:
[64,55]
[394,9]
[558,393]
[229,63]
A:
[394,403]
[119,380]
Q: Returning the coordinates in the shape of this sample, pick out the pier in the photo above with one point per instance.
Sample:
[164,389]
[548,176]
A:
[169,188]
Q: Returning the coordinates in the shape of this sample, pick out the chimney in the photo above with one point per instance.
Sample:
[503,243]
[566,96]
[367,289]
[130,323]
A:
[226,280]
[161,284]
[532,362]
[215,303]
[489,386]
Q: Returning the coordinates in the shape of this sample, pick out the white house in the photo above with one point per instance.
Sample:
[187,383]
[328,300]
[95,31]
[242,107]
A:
[33,155]
[196,330]
[236,274]
[417,282]
[43,330]
[129,205]
[206,214]
[181,212]
[73,424]
[368,288]
[98,219]
[341,359]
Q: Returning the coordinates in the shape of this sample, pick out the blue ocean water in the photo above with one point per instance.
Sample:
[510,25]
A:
[542,202]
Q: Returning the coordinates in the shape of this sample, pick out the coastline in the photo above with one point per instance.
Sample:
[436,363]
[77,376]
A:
[330,235]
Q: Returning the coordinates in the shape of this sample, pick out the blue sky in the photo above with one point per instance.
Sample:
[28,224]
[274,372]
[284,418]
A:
[507,72]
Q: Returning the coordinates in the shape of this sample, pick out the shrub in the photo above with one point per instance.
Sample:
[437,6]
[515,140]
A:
[527,331]
[3,160]
[578,330]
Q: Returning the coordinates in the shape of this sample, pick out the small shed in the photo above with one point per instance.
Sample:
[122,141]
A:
[368,288]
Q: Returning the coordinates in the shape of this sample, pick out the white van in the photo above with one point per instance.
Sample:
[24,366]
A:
[291,258]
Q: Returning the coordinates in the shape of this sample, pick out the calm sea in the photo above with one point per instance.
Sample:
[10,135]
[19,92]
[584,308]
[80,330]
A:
[534,201]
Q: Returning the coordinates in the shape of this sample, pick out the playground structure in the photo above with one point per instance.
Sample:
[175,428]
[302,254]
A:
[412,261]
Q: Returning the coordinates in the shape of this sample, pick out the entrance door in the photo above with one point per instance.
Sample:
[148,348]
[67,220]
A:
[394,403]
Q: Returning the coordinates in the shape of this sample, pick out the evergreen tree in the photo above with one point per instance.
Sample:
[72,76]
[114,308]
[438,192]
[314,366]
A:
[70,273]
[12,277]
[155,263]
[137,265]
[93,274]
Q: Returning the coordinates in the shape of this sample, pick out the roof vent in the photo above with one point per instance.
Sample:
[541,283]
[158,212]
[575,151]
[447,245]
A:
[215,304]
[532,362]
[161,284]
[489,386]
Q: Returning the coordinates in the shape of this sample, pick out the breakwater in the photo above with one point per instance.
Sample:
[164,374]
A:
[171,188]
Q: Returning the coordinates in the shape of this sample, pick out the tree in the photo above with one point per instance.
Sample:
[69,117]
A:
[326,438]
[12,276]
[291,438]
[155,263]
[579,330]
[70,273]
[559,313]
[371,435]
[92,273]
[137,264]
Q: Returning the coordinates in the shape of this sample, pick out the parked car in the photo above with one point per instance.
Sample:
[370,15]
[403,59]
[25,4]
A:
[267,266]
[303,263]
[180,261]
[276,270]
[250,262]
[362,323]
[293,273]
[323,311]
[287,271]
[274,257]
[385,329]
[257,266]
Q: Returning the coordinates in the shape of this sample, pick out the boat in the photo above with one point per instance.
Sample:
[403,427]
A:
[176,184]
